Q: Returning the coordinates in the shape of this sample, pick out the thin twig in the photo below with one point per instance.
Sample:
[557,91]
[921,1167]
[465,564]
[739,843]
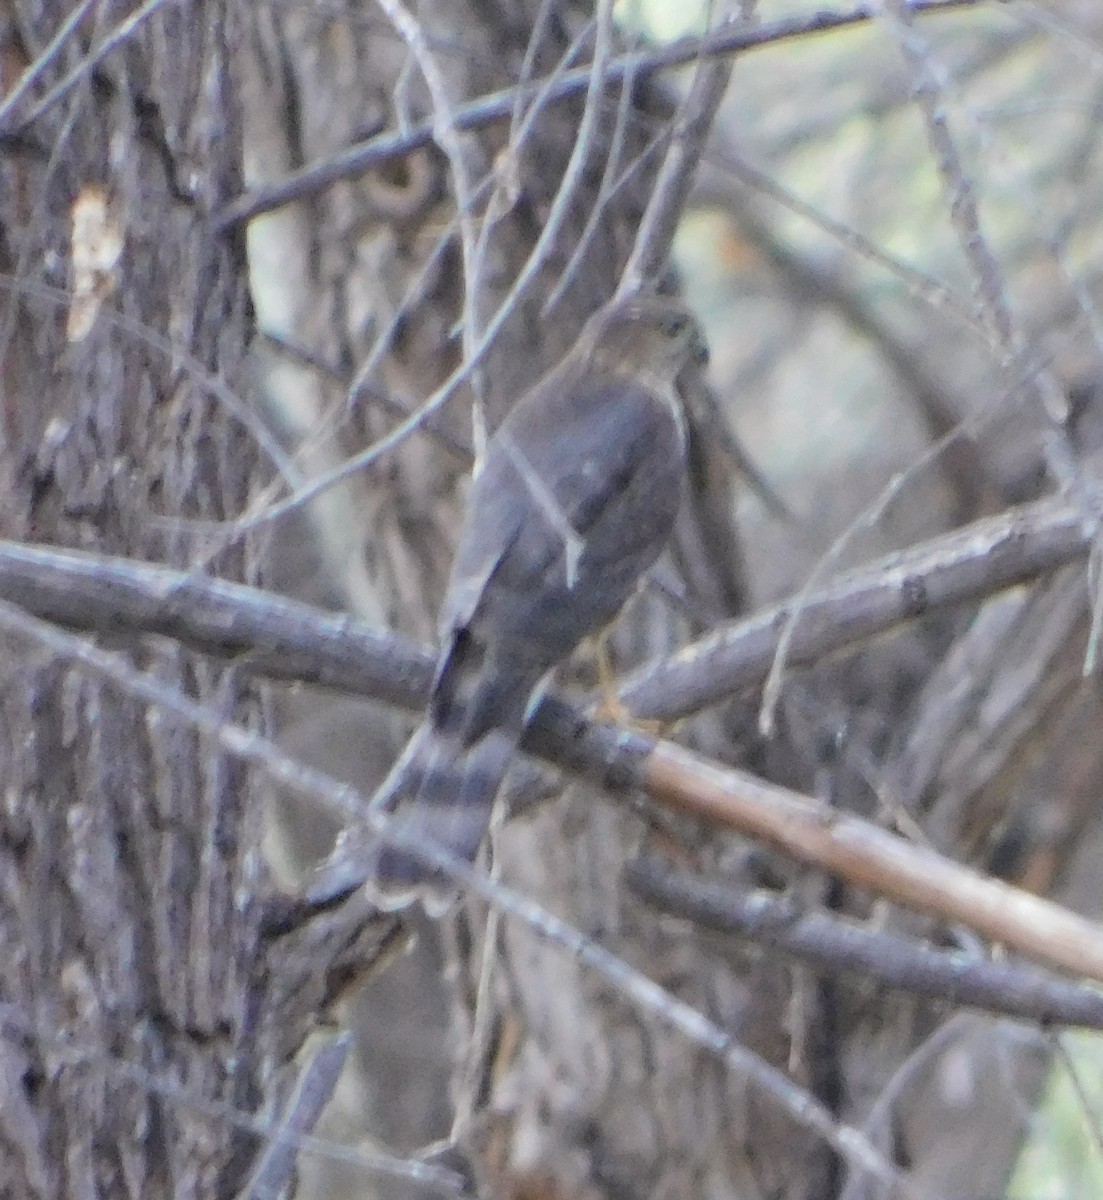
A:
[446,134]
[666,204]
[500,105]
[313,1090]
[206,381]
[15,1023]
[44,58]
[88,63]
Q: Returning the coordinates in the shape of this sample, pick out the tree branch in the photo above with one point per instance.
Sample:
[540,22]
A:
[285,640]
[499,106]
[282,639]
[832,944]
[968,564]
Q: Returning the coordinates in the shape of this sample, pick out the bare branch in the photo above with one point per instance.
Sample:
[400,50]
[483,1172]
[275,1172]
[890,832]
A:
[283,639]
[446,134]
[313,1091]
[630,983]
[857,851]
[688,133]
[969,564]
[870,858]
[87,65]
[832,944]
[500,106]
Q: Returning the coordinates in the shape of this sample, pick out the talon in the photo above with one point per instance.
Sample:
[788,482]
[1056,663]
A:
[610,707]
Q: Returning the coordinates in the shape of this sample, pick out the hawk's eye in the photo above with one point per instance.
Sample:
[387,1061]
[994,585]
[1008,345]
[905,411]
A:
[674,325]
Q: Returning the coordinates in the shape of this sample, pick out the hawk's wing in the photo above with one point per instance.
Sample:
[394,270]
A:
[606,455]
[575,500]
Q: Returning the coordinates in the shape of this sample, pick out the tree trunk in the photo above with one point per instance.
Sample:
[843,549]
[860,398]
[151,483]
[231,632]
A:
[128,844]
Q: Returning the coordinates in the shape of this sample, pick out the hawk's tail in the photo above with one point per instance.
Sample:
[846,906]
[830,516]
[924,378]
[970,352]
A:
[440,795]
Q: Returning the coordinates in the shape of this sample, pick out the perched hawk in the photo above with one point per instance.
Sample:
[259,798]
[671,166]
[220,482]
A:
[574,500]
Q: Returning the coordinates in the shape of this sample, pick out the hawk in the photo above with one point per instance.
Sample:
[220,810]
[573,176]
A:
[575,498]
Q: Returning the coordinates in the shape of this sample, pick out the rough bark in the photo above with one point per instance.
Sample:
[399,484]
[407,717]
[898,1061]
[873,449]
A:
[129,953]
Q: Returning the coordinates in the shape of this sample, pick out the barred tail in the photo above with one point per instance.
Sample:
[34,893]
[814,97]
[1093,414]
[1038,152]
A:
[440,795]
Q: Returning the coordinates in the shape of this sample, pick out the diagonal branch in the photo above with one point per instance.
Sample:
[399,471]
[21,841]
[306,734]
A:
[968,564]
[636,987]
[500,105]
[833,944]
